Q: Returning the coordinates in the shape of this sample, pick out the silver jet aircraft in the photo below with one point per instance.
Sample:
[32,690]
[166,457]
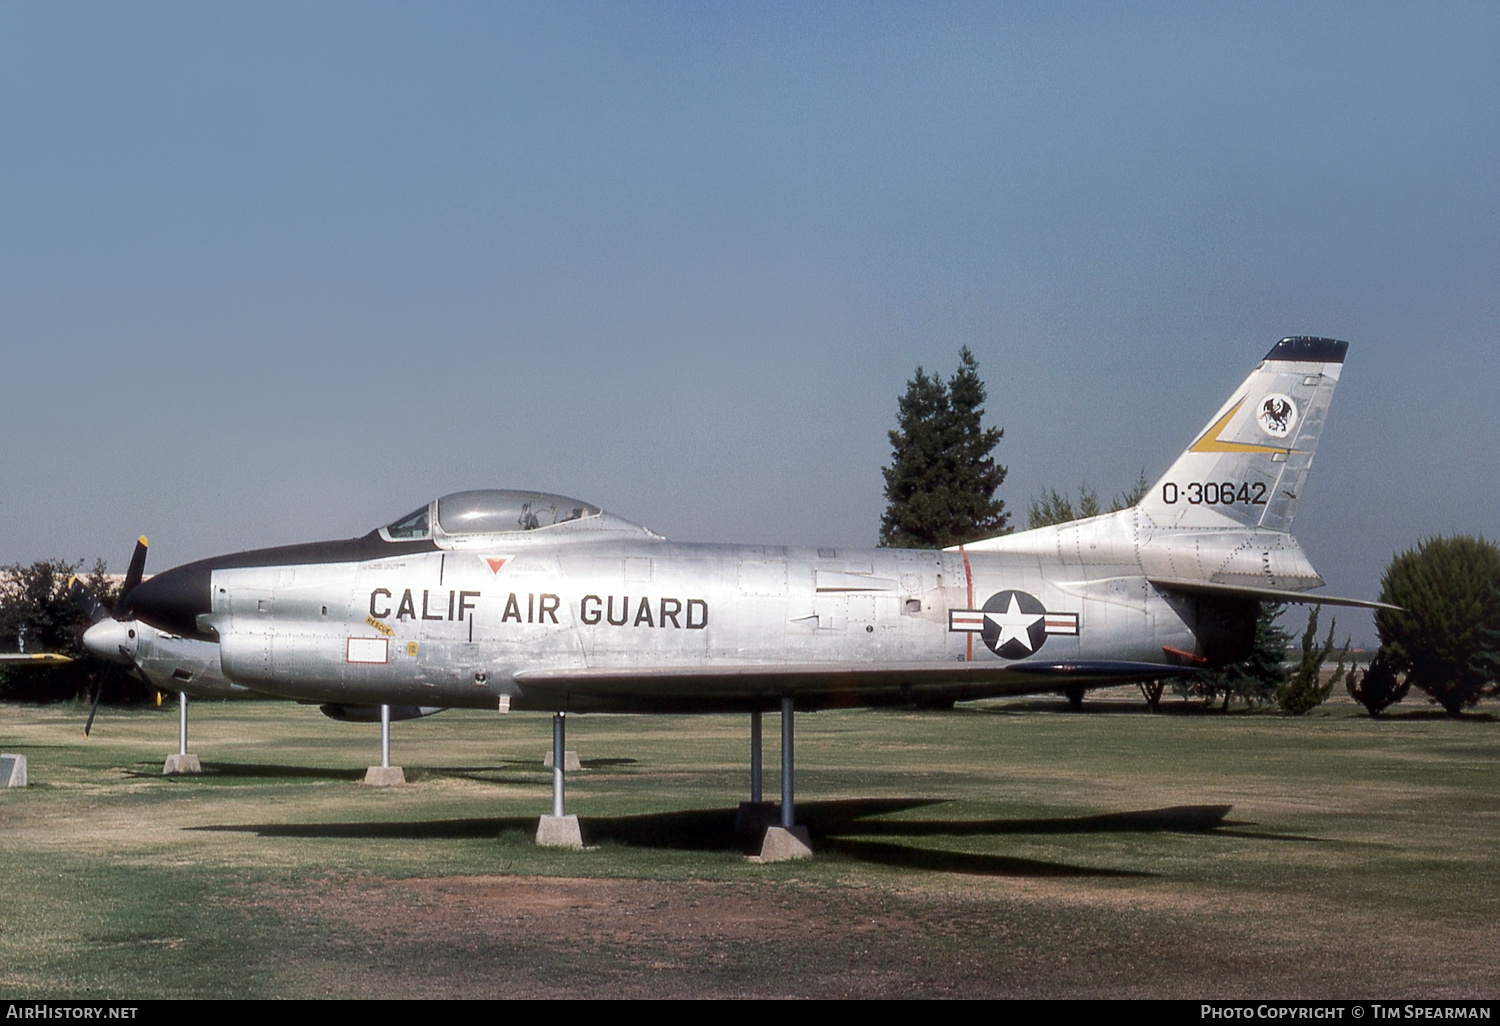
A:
[521,600]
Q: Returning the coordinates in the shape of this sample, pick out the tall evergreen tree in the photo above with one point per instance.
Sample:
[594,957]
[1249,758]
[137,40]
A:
[940,486]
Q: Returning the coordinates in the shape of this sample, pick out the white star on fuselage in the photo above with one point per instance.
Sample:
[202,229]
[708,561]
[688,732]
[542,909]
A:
[1014,625]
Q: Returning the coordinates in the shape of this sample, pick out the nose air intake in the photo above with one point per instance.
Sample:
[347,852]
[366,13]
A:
[111,640]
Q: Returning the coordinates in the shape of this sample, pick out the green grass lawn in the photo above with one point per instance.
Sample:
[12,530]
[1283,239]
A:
[999,849]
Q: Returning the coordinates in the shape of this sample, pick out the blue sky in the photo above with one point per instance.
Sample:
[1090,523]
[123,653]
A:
[278,272]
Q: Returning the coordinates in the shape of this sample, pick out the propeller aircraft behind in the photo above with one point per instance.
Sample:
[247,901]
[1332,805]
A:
[524,600]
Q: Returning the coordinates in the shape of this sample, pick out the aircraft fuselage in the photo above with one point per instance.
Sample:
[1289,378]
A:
[504,599]
[462,628]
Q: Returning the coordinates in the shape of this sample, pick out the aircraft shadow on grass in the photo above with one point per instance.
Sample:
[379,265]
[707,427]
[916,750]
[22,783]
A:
[250,770]
[511,771]
[523,765]
[838,827]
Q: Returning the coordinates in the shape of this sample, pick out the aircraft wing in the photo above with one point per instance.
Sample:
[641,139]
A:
[834,684]
[1191,587]
[33,657]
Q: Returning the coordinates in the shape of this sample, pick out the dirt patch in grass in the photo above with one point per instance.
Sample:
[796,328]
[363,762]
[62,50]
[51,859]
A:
[530,936]
[622,911]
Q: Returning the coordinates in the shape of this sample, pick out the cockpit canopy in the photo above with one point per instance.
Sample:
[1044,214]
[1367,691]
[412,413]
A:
[495,511]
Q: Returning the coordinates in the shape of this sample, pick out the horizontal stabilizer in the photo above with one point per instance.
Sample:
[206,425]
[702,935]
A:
[1281,595]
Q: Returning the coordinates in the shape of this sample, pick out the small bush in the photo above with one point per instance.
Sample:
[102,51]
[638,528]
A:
[1378,688]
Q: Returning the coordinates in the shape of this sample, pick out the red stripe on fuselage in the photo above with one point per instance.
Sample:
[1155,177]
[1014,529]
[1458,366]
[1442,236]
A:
[968,583]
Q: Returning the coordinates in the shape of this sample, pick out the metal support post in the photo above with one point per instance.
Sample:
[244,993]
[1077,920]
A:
[182,762]
[385,736]
[755,756]
[558,758]
[788,818]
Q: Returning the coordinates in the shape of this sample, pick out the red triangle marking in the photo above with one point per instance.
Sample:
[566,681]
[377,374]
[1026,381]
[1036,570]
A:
[495,564]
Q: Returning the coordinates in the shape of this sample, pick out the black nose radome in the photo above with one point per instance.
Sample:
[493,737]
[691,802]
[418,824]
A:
[172,601]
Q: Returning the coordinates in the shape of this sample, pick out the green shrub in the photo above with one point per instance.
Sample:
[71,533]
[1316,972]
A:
[1446,636]
[1304,689]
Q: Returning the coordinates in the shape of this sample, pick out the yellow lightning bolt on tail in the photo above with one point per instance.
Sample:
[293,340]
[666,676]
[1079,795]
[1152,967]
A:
[1209,441]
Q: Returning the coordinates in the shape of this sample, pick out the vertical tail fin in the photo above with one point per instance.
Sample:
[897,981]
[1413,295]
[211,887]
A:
[1248,467]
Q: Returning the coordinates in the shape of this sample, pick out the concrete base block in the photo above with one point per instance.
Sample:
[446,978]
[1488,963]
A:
[784,843]
[384,776]
[12,770]
[559,832]
[570,761]
[753,817]
[181,764]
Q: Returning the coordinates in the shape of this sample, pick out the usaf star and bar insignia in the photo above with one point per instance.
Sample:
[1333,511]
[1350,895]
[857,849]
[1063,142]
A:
[1013,624]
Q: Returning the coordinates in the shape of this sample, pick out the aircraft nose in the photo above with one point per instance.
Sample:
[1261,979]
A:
[105,639]
[172,601]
